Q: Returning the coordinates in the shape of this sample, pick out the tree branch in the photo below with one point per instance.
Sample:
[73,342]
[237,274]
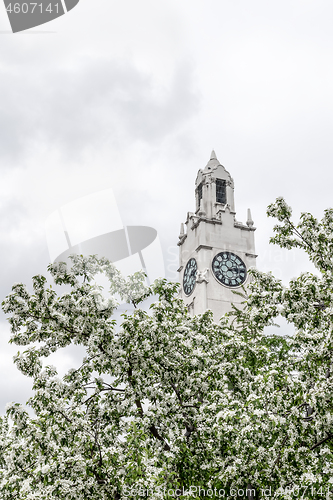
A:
[321,442]
[138,403]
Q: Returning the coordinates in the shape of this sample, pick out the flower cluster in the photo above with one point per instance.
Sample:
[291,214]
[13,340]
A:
[167,400]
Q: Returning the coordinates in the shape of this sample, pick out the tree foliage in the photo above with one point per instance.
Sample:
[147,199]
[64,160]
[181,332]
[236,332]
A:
[168,403]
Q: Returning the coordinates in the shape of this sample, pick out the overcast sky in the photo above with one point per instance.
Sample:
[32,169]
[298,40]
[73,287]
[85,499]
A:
[134,95]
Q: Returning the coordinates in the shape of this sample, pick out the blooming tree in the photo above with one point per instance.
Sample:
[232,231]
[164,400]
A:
[170,405]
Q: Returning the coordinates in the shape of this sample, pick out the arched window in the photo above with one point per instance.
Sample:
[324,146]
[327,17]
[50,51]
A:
[199,194]
[221,195]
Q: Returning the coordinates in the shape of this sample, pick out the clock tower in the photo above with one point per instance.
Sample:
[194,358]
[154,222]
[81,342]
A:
[216,250]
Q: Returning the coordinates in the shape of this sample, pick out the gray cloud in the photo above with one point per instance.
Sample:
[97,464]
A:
[264,76]
[74,108]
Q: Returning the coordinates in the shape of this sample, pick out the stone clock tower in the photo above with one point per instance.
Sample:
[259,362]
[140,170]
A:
[216,250]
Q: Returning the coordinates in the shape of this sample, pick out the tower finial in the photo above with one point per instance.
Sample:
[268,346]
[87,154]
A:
[182,231]
[202,212]
[249,221]
[213,155]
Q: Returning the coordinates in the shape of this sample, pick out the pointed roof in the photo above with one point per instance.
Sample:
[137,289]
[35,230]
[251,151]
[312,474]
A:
[213,162]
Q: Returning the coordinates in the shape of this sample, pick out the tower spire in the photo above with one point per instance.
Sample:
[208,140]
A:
[213,155]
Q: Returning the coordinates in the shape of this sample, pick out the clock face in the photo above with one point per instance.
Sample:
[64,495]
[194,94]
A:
[189,276]
[229,269]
